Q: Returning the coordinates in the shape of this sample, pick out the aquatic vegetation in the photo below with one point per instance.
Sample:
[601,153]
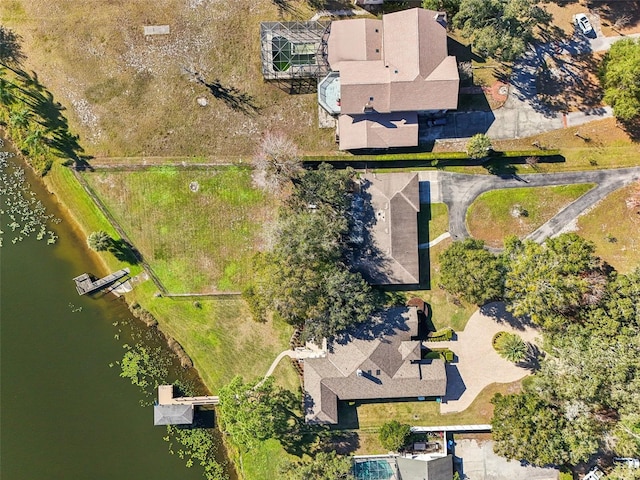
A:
[21,212]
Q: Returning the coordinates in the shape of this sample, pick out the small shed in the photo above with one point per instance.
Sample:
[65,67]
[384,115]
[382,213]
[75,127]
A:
[174,414]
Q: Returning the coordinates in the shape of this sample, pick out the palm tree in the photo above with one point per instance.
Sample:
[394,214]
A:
[99,241]
[19,118]
[33,141]
[510,347]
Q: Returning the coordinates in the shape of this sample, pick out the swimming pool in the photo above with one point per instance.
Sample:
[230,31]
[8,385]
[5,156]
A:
[377,469]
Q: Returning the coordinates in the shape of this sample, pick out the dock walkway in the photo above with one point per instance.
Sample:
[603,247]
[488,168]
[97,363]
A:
[85,285]
[165,397]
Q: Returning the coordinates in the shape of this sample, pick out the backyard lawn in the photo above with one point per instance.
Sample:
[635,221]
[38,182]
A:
[370,416]
[445,310]
[198,229]
[518,211]
[613,227]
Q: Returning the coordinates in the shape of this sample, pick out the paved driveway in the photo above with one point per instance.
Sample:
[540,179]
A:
[459,190]
[480,463]
[524,114]
[478,364]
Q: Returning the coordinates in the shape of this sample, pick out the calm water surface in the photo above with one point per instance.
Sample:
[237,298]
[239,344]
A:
[65,414]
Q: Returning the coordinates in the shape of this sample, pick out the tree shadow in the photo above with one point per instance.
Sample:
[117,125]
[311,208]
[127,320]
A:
[49,113]
[232,97]
[285,6]
[498,312]
[532,359]
[10,47]
[125,252]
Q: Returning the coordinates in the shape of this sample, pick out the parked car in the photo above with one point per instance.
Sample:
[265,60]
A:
[583,24]
[629,462]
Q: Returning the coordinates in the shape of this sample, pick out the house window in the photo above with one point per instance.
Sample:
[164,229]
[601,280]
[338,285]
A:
[371,99]
[376,30]
[377,372]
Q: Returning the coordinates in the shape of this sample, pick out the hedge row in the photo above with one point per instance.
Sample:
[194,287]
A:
[394,157]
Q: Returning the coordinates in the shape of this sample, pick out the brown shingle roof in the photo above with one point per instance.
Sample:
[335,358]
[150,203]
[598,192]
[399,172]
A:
[411,71]
[378,130]
[397,64]
[390,369]
[391,256]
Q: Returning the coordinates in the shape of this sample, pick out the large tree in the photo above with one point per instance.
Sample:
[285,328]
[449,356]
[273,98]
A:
[470,271]
[549,282]
[589,380]
[324,466]
[525,427]
[304,277]
[620,77]
[276,162]
[501,29]
[251,412]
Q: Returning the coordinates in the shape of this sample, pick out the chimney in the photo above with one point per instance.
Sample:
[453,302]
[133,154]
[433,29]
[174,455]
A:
[441,18]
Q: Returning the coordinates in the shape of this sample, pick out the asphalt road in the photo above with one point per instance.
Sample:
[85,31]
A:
[459,190]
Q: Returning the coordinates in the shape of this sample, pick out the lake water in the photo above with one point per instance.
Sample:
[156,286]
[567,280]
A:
[65,413]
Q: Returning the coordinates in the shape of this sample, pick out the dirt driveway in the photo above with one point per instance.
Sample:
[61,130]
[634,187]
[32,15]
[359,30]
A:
[478,462]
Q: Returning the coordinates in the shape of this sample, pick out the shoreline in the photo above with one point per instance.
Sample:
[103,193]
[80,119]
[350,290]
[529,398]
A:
[79,231]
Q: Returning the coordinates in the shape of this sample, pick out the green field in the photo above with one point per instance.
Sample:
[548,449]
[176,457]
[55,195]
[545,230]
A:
[613,227]
[491,216]
[198,241]
[446,311]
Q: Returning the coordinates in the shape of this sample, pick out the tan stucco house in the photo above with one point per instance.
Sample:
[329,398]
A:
[384,73]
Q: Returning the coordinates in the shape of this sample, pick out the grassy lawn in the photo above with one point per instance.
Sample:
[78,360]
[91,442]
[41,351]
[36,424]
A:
[370,416]
[490,217]
[612,227]
[196,241]
[84,214]
[127,94]
[446,311]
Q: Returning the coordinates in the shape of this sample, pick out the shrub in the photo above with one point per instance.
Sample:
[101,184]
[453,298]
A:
[394,435]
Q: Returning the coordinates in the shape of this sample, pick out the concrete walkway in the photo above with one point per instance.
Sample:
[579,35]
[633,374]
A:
[435,241]
[298,354]
[478,364]
[459,190]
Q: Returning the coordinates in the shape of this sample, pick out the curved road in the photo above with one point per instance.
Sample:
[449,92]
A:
[459,190]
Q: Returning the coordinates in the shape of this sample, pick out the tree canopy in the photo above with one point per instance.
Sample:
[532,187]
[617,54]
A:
[549,282]
[394,435]
[99,241]
[501,29]
[304,277]
[324,466]
[620,77]
[589,381]
[251,412]
[471,272]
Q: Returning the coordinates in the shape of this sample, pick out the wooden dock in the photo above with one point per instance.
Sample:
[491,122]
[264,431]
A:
[165,397]
[84,283]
